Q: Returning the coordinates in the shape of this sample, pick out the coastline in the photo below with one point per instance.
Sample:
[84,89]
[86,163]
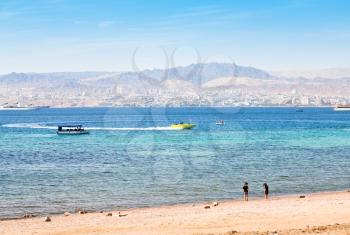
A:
[169,205]
[194,106]
[287,214]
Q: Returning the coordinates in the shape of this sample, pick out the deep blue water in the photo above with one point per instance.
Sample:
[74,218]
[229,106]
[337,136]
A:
[132,159]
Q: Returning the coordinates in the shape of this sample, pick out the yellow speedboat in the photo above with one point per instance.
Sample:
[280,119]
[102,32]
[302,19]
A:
[182,126]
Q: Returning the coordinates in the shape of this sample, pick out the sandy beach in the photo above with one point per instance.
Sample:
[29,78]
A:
[321,213]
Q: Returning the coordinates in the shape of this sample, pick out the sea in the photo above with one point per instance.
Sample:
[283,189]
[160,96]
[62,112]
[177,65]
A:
[132,158]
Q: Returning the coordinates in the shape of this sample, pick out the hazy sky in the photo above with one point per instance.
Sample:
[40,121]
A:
[81,35]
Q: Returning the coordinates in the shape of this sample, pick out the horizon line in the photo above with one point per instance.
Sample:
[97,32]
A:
[180,66]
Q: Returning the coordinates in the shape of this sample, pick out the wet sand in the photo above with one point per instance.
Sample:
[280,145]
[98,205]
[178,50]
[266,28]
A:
[322,213]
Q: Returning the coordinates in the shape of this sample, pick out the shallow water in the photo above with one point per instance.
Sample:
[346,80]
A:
[131,158]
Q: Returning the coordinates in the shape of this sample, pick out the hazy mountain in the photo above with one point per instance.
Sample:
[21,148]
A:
[45,79]
[206,72]
[203,72]
[196,74]
[195,84]
[332,73]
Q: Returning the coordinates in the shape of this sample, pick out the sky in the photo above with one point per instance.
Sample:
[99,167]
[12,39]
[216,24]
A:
[118,35]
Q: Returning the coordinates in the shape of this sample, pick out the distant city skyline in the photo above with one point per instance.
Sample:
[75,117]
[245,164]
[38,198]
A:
[64,35]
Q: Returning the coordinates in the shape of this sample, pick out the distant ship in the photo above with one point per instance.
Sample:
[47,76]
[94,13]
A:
[18,107]
[342,108]
[12,107]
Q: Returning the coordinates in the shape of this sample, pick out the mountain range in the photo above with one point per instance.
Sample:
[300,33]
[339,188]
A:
[195,84]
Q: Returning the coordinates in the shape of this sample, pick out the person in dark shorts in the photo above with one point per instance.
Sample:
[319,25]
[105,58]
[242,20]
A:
[245,191]
[266,191]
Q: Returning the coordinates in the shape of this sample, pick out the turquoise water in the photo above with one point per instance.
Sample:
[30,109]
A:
[132,159]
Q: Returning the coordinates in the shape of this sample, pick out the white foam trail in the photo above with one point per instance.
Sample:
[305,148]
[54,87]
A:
[41,126]
[28,125]
[131,128]
[40,135]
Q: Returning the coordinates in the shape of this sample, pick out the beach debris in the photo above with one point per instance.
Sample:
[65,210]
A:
[28,215]
[101,211]
[82,212]
[66,213]
[232,232]
[270,233]
[215,203]
[206,207]
[121,215]
[302,196]
[109,214]
[47,219]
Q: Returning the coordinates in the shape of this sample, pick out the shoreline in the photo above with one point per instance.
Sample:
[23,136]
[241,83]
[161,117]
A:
[199,202]
[279,213]
[194,106]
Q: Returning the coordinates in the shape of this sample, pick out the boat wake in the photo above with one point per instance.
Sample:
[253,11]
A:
[43,126]
[29,126]
[131,128]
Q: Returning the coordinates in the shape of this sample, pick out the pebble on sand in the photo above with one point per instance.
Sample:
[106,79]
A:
[66,214]
[302,196]
[109,214]
[206,207]
[28,215]
[121,215]
[47,219]
[215,203]
[82,212]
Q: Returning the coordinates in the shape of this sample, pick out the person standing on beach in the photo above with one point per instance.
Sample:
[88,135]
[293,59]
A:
[245,191]
[266,191]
